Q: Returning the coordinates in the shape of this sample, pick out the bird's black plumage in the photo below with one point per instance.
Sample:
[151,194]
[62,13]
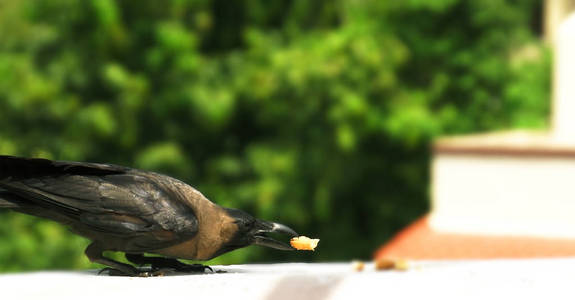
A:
[129,210]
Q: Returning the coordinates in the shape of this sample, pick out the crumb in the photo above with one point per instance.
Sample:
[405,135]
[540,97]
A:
[384,264]
[401,265]
[391,264]
[358,266]
[304,243]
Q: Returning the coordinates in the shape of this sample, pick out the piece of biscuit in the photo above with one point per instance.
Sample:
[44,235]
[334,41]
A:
[304,243]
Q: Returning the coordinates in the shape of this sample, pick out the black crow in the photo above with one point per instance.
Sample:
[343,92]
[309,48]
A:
[131,211]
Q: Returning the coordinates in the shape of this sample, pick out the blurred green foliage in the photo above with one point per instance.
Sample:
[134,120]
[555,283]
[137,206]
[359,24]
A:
[317,114]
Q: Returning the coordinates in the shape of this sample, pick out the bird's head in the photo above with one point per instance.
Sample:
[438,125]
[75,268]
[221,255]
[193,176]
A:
[248,230]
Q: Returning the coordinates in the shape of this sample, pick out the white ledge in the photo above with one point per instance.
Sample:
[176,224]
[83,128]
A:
[500,279]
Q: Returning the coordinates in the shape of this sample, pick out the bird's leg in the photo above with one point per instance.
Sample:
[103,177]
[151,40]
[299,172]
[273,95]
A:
[166,263]
[94,254]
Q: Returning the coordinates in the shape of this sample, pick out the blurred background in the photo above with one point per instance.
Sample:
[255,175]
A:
[316,114]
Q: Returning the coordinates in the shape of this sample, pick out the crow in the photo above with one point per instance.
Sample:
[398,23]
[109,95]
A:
[132,211]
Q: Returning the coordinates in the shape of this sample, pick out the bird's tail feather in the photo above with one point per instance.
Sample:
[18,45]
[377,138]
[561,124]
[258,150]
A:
[9,200]
[7,204]
[15,168]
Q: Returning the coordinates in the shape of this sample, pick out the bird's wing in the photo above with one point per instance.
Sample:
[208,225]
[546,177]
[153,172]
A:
[105,198]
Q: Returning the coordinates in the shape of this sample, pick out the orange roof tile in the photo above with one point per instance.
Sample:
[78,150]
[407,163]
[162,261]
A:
[420,241]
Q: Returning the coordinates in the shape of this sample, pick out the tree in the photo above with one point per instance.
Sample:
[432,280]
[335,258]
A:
[317,114]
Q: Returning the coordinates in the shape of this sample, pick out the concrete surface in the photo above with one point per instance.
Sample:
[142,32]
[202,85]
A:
[494,279]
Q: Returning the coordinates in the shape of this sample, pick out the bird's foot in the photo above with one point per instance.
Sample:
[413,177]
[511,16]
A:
[166,265]
[182,268]
[147,272]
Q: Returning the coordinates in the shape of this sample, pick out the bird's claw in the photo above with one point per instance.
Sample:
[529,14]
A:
[184,268]
[136,273]
[115,272]
[195,268]
[109,270]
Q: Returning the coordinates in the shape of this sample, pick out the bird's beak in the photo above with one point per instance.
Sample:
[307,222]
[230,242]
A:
[264,227]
